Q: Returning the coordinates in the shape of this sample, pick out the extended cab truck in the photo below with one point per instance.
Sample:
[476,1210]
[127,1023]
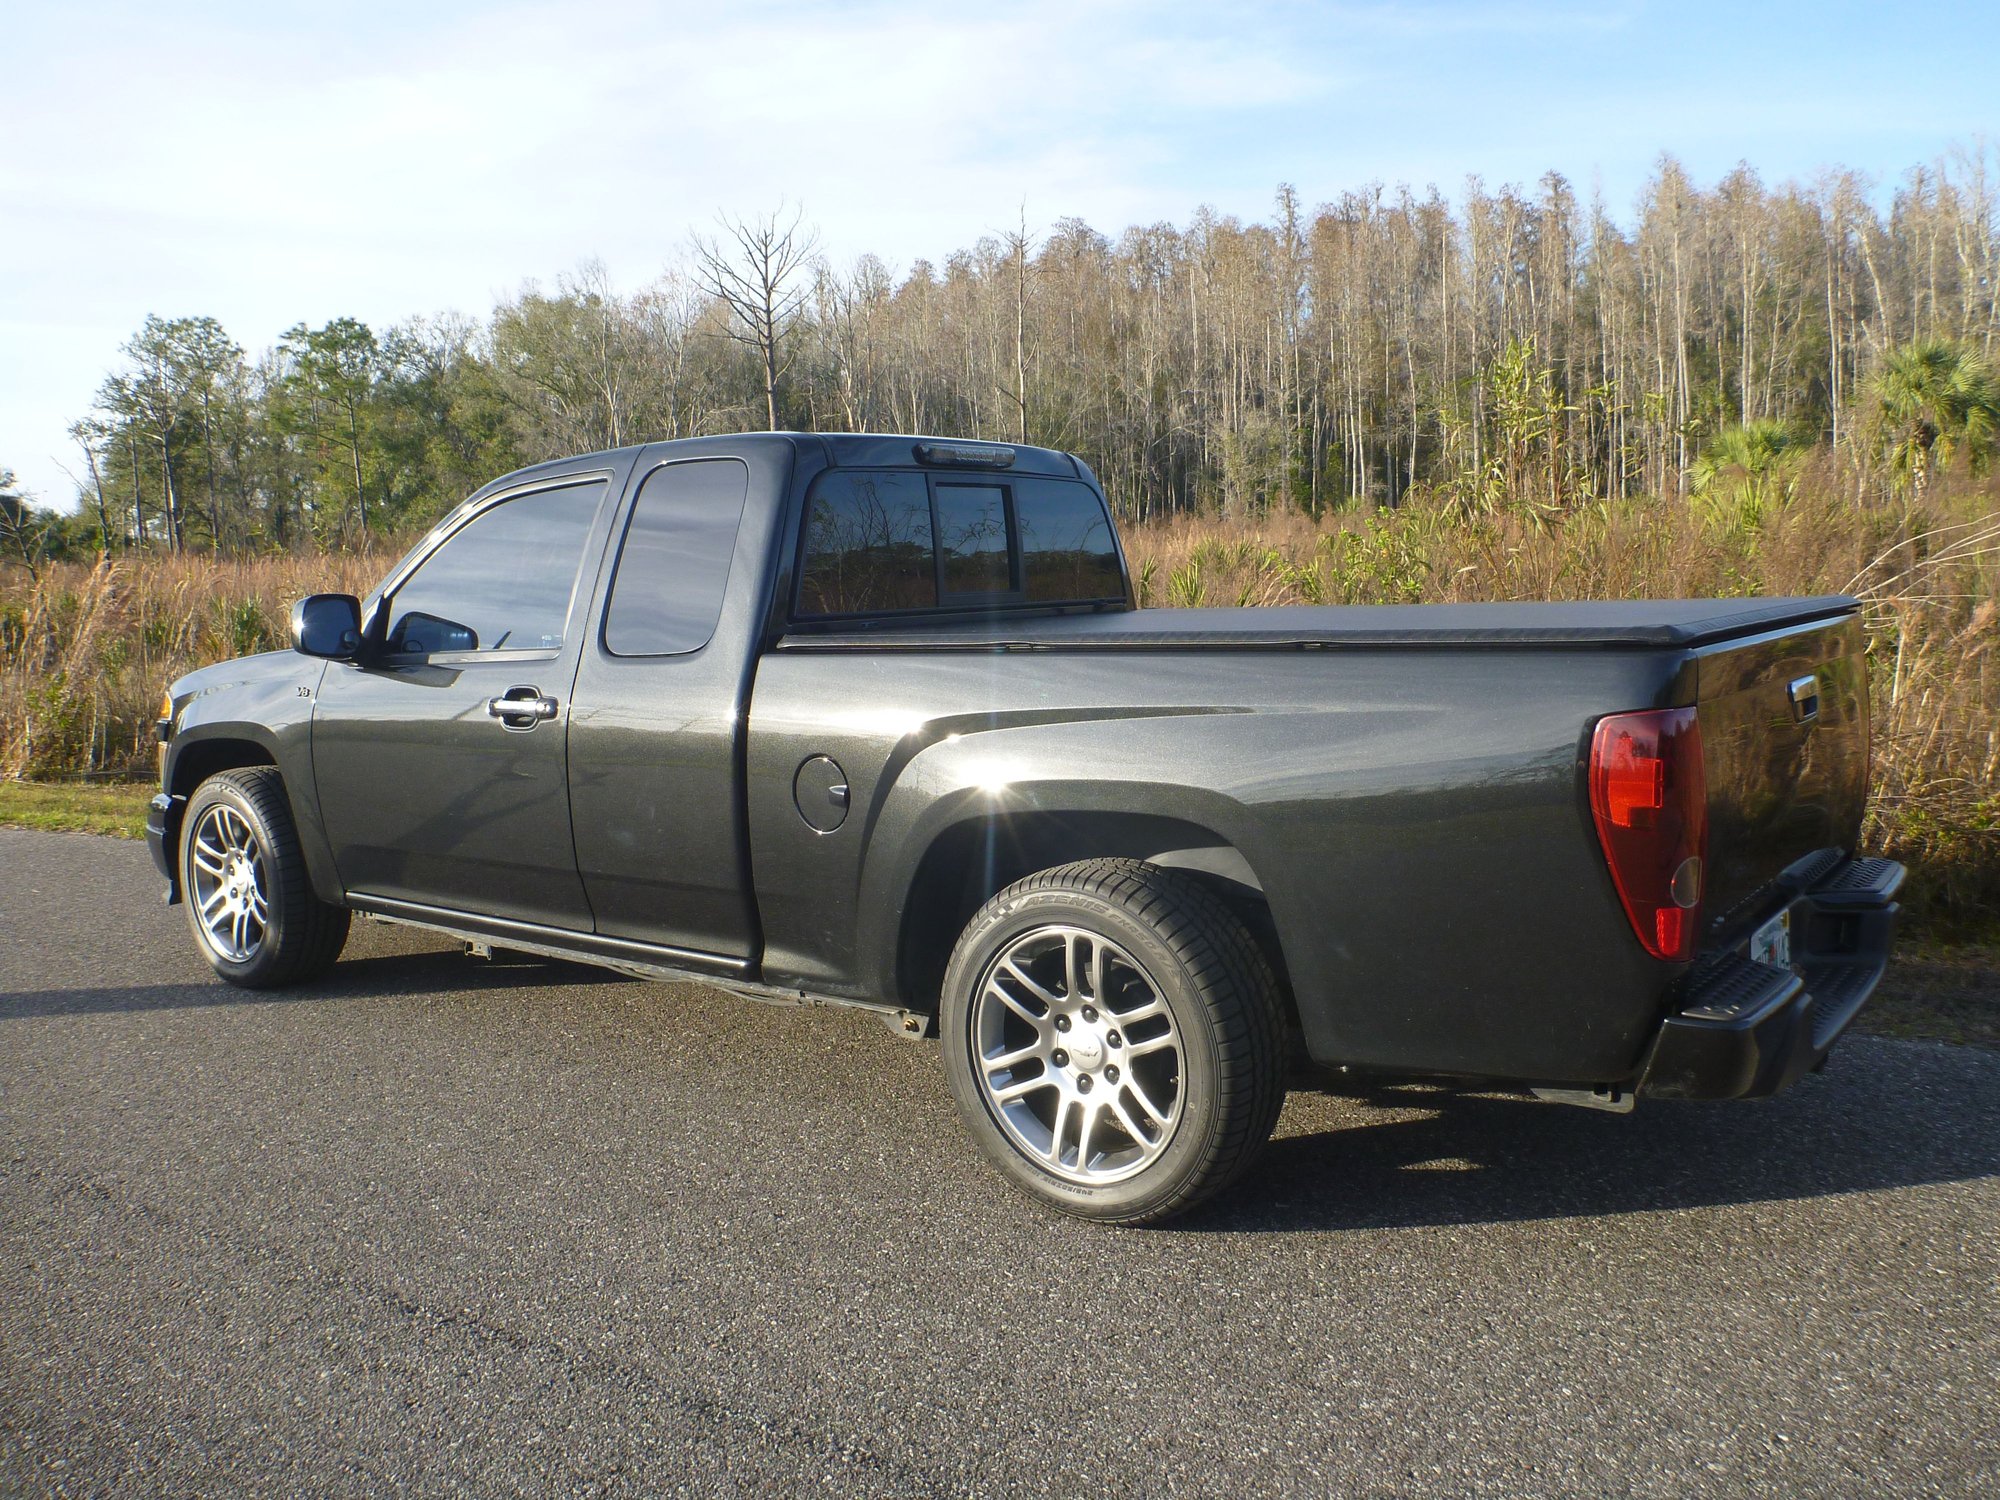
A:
[873,720]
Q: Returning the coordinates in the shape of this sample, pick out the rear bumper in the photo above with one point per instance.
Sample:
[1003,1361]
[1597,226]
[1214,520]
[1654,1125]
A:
[1746,1030]
[163,836]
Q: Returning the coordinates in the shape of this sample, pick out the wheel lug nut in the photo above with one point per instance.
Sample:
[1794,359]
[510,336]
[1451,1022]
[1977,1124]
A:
[1114,1038]
[1090,1013]
[1083,1084]
[1061,1058]
[1111,1073]
[1062,1023]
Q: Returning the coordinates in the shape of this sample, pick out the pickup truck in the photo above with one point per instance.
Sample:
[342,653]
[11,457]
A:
[874,721]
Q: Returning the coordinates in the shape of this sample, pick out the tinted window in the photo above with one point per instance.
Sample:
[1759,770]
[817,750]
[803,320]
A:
[868,545]
[972,539]
[503,581]
[1067,551]
[674,563]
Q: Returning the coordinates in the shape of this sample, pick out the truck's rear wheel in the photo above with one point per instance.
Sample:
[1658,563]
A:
[1113,1037]
[244,883]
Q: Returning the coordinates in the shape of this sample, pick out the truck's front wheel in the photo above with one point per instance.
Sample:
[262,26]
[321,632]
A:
[244,882]
[1113,1037]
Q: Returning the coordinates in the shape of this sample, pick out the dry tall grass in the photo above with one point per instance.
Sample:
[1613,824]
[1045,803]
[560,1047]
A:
[1928,573]
[85,652]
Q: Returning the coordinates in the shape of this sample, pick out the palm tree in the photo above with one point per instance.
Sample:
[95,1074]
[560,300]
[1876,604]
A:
[1932,398]
[1733,476]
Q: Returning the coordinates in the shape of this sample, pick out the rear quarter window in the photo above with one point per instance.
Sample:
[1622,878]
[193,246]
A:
[673,565]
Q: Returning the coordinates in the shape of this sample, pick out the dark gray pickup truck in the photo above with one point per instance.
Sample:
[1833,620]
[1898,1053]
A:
[873,721]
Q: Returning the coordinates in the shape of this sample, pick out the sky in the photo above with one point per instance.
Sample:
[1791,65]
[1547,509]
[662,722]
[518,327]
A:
[267,164]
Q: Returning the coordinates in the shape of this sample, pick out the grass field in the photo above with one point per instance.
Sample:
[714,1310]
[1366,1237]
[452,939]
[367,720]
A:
[114,807]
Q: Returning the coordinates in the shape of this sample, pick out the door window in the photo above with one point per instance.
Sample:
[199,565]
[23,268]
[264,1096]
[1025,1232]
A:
[674,564]
[501,582]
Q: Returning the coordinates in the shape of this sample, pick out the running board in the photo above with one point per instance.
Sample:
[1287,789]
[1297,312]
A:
[1617,1101]
[639,960]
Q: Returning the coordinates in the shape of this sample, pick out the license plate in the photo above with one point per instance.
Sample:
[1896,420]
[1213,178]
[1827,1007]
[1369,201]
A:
[1772,943]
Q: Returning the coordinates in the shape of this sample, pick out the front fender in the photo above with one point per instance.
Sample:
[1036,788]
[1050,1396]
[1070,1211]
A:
[253,711]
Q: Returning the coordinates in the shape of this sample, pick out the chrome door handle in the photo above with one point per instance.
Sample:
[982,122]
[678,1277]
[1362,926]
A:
[1805,698]
[521,703]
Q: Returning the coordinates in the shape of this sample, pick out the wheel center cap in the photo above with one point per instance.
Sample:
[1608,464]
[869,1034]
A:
[1087,1049]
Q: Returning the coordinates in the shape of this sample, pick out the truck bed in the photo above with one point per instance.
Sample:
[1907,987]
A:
[1634,623]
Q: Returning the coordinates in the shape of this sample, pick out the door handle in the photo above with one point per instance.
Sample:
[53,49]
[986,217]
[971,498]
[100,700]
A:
[521,703]
[1805,698]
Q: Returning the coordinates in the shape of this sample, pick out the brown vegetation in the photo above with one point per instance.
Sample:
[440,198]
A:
[86,650]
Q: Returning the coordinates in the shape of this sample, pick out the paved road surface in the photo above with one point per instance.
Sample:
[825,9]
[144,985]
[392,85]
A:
[523,1228]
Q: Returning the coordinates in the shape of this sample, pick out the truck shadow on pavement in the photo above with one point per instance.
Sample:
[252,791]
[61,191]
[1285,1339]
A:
[1886,1116]
[385,976]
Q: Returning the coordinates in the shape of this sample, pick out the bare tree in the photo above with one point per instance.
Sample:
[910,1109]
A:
[1019,247]
[90,436]
[23,529]
[755,269]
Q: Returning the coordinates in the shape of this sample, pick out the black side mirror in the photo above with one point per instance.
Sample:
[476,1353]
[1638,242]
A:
[327,625]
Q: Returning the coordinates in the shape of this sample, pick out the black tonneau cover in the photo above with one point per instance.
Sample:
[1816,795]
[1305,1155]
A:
[1615,623]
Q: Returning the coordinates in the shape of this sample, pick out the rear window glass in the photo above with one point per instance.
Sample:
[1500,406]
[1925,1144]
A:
[888,540]
[972,539]
[674,563]
[1067,551]
[868,545]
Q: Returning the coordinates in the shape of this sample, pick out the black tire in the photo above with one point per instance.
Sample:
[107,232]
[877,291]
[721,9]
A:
[301,936]
[1185,944]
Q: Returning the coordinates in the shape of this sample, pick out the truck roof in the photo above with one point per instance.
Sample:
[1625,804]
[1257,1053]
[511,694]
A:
[847,450]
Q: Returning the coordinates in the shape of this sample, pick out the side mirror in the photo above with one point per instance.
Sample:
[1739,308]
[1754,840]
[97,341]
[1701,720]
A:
[327,625]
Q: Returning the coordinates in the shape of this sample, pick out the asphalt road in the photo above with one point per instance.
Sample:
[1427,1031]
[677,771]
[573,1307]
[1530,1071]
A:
[442,1226]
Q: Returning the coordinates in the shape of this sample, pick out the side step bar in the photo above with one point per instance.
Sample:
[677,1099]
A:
[482,934]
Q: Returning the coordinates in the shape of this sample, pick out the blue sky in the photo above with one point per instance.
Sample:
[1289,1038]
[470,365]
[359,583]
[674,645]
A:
[266,164]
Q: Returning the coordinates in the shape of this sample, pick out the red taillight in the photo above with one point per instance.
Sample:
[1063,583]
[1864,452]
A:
[1649,796]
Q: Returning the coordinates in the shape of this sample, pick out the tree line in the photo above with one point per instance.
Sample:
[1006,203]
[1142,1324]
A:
[1516,346]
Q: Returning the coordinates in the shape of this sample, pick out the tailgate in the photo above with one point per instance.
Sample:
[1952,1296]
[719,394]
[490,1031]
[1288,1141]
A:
[1784,735]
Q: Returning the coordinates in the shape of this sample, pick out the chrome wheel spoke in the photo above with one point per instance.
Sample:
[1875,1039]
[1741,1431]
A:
[1026,1086]
[1007,1061]
[1063,1106]
[1146,1103]
[999,992]
[1027,982]
[1083,1134]
[1153,1007]
[1073,965]
[1125,1121]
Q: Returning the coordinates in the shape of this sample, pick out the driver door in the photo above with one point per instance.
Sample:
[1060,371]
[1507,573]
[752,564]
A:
[435,790]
